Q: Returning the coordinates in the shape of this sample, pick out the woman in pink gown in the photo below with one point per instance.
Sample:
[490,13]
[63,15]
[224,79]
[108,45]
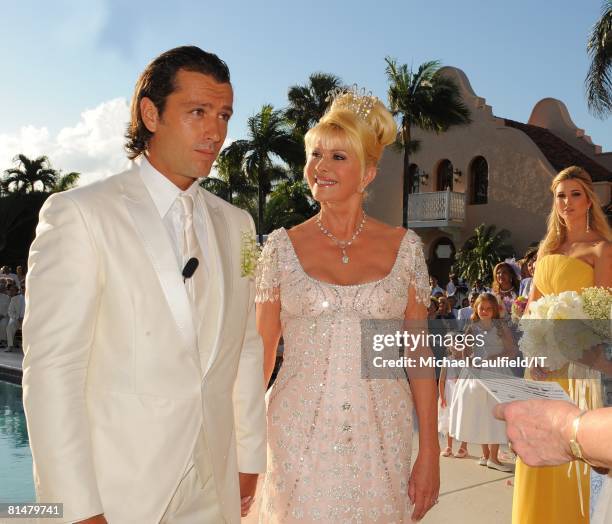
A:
[339,445]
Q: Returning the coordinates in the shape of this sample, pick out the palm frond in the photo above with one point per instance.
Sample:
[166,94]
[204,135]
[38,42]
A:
[598,81]
[481,251]
[28,174]
[65,181]
[308,103]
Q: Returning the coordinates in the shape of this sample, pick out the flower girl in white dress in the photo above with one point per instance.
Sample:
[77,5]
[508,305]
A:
[471,417]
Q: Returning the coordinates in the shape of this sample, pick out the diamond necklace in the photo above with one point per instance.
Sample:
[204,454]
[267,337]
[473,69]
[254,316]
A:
[342,244]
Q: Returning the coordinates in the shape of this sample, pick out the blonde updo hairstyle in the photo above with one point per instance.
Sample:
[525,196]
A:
[341,127]
[556,232]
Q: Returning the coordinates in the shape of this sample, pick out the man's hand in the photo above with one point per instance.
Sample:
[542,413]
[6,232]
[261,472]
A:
[248,485]
[98,519]
[539,430]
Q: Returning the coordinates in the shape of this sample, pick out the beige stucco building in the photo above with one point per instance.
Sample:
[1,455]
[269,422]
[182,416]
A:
[492,171]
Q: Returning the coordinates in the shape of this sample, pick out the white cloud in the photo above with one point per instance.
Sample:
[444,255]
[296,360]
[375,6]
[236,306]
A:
[93,146]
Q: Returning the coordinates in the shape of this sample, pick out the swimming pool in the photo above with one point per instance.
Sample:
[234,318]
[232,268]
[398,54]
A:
[16,483]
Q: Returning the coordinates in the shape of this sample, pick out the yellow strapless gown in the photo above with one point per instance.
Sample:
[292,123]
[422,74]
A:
[548,495]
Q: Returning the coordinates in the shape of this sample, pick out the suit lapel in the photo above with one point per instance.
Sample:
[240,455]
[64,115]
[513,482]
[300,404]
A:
[158,246]
[220,278]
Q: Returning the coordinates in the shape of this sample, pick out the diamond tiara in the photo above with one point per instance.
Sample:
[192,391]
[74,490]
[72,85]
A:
[354,99]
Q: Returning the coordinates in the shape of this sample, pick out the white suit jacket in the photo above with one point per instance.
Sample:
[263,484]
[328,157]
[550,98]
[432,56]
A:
[113,388]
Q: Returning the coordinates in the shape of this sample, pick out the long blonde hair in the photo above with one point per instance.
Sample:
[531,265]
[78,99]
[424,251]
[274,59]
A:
[556,232]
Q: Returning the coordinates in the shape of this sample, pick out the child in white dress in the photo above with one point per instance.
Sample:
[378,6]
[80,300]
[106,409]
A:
[471,412]
[446,385]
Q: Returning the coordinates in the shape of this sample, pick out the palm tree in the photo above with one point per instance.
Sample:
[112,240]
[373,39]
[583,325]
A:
[426,99]
[269,138]
[598,81]
[27,174]
[290,204]
[218,187]
[65,181]
[308,103]
[230,182]
[485,248]
[21,203]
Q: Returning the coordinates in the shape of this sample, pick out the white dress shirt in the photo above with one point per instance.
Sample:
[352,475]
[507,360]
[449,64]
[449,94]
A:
[165,196]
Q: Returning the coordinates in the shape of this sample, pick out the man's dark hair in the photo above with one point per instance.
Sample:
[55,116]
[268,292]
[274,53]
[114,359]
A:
[157,81]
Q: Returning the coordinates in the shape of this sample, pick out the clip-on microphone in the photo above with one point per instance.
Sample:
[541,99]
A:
[190,267]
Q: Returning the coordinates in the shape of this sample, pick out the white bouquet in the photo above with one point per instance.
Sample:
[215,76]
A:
[561,327]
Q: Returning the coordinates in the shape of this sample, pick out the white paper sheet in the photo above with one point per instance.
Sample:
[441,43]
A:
[508,389]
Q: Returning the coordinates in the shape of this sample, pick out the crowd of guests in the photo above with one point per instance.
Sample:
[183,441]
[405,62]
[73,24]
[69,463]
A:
[456,301]
[12,306]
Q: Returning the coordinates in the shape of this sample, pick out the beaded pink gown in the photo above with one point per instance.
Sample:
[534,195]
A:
[339,446]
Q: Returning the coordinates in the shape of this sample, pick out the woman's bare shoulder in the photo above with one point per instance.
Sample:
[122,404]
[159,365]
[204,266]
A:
[303,228]
[385,230]
[603,250]
[305,234]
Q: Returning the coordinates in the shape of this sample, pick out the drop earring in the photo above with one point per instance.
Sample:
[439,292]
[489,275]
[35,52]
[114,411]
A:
[588,227]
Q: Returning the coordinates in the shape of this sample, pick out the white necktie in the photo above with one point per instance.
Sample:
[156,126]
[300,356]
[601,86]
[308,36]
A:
[195,290]
[191,249]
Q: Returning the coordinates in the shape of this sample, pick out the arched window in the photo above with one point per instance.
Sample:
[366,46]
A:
[444,176]
[415,175]
[479,181]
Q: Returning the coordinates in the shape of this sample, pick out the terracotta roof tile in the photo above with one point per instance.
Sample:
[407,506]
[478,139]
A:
[559,153]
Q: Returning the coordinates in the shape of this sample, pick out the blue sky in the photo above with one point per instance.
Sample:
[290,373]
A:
[68,68]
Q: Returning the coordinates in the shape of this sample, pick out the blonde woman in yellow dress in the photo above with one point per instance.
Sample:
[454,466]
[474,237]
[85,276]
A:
[339,445]
[575,253]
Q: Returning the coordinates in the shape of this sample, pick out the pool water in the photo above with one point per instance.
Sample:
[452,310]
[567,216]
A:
[16,484]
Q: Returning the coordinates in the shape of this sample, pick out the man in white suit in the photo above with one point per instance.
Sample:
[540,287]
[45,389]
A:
[143,386]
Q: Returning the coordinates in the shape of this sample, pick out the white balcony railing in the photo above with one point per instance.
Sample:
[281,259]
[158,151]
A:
[437,209]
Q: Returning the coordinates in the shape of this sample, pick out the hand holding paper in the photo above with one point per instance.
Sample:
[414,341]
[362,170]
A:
[539,430]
